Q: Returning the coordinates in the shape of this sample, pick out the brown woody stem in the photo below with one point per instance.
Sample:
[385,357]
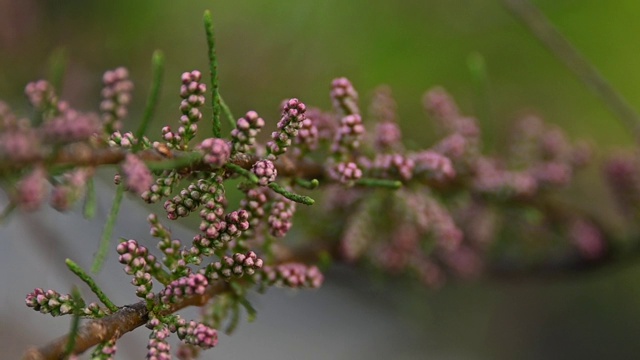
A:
[126,319]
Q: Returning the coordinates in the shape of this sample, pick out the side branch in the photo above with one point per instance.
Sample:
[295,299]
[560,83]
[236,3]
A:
[126,319]
[169,159]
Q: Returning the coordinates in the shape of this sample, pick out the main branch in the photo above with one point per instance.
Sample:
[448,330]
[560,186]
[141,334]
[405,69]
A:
[126,319]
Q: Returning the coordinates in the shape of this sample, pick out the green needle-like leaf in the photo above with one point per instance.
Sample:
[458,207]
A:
[105,241]
[213,68]
[90,200]
[157,64]
[291,196]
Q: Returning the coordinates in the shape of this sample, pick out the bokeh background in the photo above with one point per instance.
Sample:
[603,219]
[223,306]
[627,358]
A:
[271,50]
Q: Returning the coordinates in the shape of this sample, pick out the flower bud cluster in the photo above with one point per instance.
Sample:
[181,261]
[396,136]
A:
[54,303]
[8,119]
[446,114]
[294,275]
[71,126]
[218,232]
[244,135]
[441,106]
[19,145]
[349,134]
[158,347]
[281,216]
[492,179]
[137,174]
[457,148]
[216,151]
[234,266]
[344,97]
[188,199]
[254,202]
[236,222]
[70,188]
[266,172]
[553,143]
[192,93]
[431,165]
[162,187]
[623,176]
[116,96]
[139,263]
[62,132]
[552,173]
[307,139]
[41,95]
[345,172]
[394,166]
[293,114]
[50,302]
[445,231]
[587,238]
[197,334]
[169,247]
[31,189]
[187,352]
[173,140]
[213,209]
[387,134]
[192,284]
[59,134]
[324,123]
[126,140]
[546,153]
[105,350]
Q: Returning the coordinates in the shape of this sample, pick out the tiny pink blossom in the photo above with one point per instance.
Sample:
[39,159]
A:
[266,172]
[216,151]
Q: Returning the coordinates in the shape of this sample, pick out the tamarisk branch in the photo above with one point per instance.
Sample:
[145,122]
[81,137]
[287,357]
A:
[113,326]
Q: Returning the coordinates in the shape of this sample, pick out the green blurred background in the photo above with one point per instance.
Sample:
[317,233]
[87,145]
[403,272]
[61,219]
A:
[277,49]
[270,50]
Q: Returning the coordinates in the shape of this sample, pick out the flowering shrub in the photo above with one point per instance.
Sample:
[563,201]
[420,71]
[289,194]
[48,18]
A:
[436,213]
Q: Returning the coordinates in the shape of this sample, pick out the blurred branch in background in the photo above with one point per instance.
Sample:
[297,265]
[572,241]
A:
[559,46]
